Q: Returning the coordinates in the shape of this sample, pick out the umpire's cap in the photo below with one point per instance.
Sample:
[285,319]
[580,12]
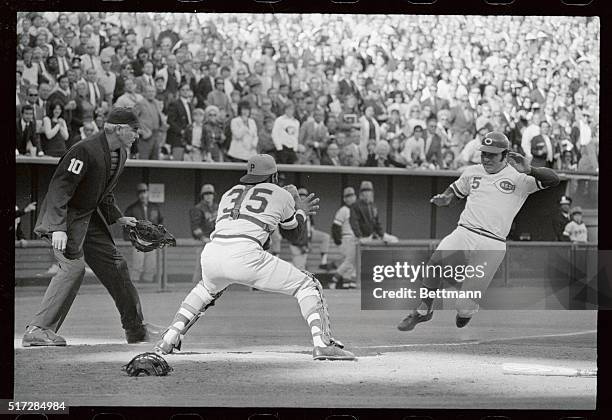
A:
[123,116]
[259,168]
[494,142]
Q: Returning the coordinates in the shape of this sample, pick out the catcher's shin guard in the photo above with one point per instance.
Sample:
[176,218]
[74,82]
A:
[314,310]
[192,308]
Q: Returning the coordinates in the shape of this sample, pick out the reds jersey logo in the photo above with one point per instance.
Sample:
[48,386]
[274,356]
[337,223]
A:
[505,185]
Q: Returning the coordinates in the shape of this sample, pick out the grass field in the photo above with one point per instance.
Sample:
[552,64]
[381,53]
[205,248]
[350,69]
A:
[254,349]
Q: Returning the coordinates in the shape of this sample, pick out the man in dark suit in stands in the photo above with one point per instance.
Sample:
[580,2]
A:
[463,117]
[27,139]
[204,86]
[433,101]
[346,85]
[433,142]
[331,155]
[539,93]
[179,117]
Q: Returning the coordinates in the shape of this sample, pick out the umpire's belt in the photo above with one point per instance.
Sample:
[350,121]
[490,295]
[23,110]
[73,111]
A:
[266,227]
[483,233]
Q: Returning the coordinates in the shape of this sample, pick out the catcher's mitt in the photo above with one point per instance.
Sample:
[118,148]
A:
[146,236]
[151,364]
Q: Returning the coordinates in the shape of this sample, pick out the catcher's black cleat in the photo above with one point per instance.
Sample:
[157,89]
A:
[408,323]
[332,352]
[461,321]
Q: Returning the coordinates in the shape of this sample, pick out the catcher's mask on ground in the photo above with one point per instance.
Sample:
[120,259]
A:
[148,364]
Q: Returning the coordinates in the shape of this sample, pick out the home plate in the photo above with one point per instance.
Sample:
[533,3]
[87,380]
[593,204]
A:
[77,342]
[545,370]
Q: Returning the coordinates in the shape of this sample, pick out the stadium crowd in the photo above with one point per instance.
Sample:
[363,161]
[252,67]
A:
[351,90]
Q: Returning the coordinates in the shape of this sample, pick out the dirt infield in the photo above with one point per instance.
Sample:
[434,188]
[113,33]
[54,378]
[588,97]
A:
[253,349]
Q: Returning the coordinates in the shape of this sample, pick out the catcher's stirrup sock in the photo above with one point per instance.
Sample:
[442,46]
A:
[314,322]
[323,258]
[195,302]
[426,303]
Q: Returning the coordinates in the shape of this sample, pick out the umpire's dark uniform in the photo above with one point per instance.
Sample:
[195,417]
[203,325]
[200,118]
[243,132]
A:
[80,202]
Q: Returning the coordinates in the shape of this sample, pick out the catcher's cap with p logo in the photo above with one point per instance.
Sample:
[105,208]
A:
[494,142]
[259,168]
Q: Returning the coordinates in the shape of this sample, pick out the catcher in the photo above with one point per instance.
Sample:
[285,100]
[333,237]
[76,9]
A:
[248,213]
[75,216]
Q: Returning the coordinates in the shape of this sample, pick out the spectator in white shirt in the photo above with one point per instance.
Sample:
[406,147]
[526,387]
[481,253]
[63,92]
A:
[285,134]
[244,135]
[130,97]
[90,59]
[532,130]
[470,155]
[194,138]
[414,148]
[107,79]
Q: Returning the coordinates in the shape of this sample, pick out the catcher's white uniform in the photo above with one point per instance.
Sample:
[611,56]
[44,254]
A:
[236,254]
[246,217]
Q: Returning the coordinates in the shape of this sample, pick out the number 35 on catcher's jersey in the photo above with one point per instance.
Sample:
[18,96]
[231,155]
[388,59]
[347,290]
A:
[266,202]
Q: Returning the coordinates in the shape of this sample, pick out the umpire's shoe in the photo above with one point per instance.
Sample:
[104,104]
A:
[143,334]
[461,321]
[332,352]
[408,323]
[36,336]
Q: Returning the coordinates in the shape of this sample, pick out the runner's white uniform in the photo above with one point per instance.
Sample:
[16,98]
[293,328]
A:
[493,200]
[236,254]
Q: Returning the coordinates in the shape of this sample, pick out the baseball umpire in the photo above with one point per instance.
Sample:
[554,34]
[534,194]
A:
[75,215]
